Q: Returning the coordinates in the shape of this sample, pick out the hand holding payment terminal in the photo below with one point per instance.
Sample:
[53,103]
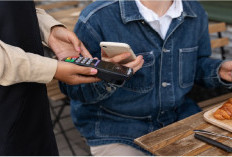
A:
[107,71]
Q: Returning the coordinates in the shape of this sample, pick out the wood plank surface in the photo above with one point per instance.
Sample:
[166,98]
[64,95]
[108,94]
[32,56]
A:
[217,27]
[58,97]
[51,88]
[213,150]
[73,12]
[203,147]
[69,22]
[58,5]
[178,139]
[53,91]
[220,42]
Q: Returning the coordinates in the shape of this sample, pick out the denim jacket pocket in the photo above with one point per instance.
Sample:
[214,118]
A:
[187,66]
[143,79]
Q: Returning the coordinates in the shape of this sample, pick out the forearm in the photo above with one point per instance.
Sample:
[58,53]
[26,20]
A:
[46,22]
[17,66]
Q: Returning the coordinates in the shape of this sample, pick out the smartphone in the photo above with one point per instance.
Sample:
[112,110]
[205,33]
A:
[115,48]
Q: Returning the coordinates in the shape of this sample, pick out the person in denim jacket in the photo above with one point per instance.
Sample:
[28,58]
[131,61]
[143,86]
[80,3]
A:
[110,117]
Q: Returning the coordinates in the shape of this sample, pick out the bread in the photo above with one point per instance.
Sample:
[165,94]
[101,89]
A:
[225,111]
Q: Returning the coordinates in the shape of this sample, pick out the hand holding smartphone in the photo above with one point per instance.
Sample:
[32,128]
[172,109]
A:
[114,48]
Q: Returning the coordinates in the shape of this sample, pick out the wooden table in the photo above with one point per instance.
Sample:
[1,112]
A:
[178,139]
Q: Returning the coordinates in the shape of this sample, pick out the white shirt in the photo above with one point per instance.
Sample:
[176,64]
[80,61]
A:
[161,24]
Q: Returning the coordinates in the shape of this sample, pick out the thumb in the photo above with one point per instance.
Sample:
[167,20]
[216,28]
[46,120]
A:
[103,54]
[75,41]
[84,70]
[85,52]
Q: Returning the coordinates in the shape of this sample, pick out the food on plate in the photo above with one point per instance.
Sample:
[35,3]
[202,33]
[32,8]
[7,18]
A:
[225,111]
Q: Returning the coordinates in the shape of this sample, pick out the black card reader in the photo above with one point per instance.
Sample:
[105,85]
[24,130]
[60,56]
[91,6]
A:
[110,72]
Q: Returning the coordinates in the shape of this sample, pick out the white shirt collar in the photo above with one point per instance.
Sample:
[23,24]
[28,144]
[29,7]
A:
[174,11]
[161,24]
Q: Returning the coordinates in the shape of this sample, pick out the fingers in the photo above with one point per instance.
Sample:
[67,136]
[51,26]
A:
[136,64]
[84,70]
[226,76]
[139,66]
[115,59]
[225,71]
[83,75]
[85,52]
[78,45]
[78,79]
[75,41]
[104,55]
[118,58]
[74,74]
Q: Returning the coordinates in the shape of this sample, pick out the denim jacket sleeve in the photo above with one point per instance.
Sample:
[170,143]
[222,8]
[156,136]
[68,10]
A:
[92,92]
[207,68]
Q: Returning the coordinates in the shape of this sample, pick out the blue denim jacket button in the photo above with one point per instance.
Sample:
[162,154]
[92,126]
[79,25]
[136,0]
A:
[164,84]
[109,89]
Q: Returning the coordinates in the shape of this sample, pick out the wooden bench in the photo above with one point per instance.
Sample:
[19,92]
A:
[67,12]
[53,91]
[220,42]
[55,5]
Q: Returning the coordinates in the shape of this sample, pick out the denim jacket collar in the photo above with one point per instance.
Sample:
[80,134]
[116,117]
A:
[129,11]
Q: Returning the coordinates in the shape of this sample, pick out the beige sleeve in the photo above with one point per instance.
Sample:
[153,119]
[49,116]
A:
[46,22]
[17,66]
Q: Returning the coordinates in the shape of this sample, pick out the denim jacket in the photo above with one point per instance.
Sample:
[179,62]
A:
[155,96]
